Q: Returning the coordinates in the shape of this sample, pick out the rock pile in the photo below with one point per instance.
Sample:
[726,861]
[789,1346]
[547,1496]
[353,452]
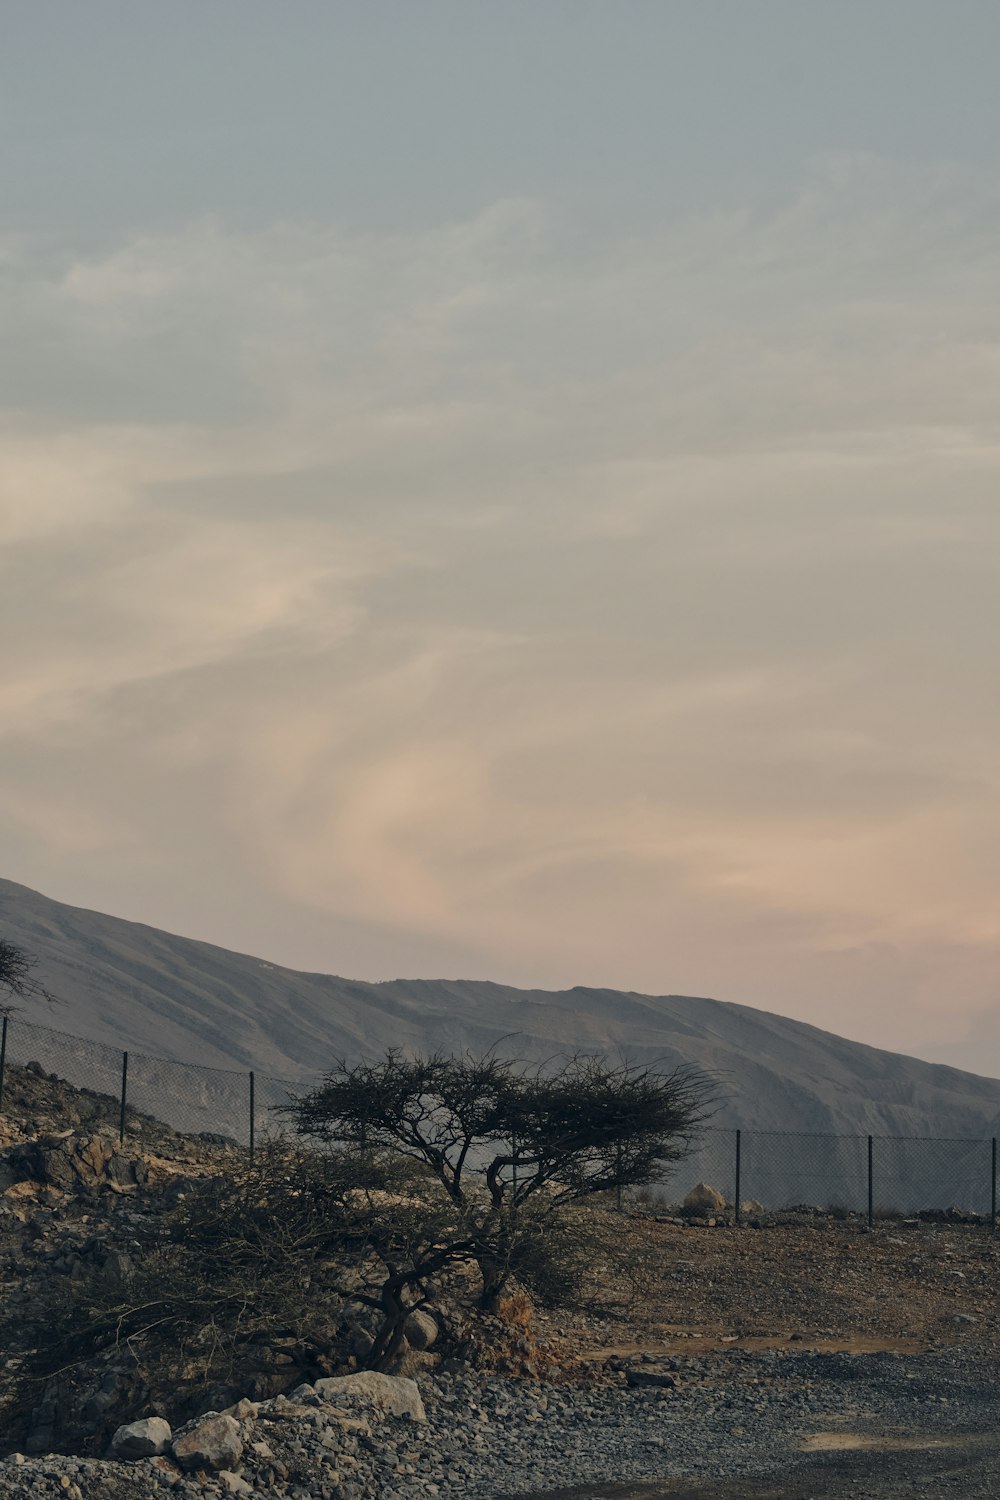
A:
[74,1161]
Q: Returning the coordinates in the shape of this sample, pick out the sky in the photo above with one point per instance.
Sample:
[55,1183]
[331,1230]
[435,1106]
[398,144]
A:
[513,491]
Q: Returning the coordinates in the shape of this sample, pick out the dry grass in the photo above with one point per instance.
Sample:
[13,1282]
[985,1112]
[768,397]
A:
[516,1312]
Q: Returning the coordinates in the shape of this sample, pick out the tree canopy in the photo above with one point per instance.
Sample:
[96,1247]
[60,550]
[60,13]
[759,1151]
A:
[500,1139]
[18,980]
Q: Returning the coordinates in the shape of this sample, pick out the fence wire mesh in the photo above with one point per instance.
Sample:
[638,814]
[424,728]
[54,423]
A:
[712,1160]
[783,1171]
[88,1066]
[933,1175]
[883,1175]
[122,1087]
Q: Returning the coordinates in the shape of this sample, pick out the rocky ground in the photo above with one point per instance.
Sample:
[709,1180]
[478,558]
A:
[804,1357]
[813,1420]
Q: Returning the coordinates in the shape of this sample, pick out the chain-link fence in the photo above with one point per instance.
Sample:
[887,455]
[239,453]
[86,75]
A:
[874,1175]
[880,1176]
[124,1086]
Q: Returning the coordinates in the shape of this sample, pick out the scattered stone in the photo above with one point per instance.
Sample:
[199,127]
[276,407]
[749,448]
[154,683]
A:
[211,1442]
[703,1199]
[234,1484]
[146,1439]
[394,1395]
[421,1330]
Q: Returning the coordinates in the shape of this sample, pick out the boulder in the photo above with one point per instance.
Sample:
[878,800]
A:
[704,1200]
[421,1330]
[90,1158]
[210,1442]
[243,1410]
[302,1395]
[390,1395]
[71,1161]
[642,1376]
[146,1439]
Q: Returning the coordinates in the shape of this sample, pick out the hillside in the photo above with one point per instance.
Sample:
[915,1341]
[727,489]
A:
[124,983]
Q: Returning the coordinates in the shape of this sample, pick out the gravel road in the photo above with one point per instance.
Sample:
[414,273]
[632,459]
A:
[741,1431]
[972,1471]
[747,1437]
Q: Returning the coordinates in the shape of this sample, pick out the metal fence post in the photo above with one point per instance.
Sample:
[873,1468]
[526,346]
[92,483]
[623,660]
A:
[739,1186]
[993,1178]
[3,1060]
[871,1181]
[121,1116]
[252,1116]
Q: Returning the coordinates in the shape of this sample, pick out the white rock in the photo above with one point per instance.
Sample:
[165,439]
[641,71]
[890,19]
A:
[704,1199]
[145,1439]
[393,1395]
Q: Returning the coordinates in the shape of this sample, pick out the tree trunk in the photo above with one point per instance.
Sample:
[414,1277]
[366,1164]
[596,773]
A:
[494,1273]
[391,1336]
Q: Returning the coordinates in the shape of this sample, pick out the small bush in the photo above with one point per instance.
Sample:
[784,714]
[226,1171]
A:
[240,1289]
[516,1312]
[242,1265]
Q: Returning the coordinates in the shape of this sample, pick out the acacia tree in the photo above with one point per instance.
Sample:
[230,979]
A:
[508,1147]
[17,976]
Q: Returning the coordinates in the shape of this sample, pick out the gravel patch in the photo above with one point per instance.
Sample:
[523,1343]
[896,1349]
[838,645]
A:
[737,1415]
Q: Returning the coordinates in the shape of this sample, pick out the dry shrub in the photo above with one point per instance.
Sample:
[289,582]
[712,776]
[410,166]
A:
[553,1255]
[243,1264]
[593,1259]
[516,1312]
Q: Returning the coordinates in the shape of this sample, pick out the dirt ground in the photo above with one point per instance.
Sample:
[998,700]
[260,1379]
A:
[823,1284]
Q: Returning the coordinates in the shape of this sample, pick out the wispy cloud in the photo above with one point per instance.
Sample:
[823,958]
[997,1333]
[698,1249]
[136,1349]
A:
[620,613]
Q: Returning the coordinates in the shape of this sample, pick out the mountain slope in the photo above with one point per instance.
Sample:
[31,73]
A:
[131,985]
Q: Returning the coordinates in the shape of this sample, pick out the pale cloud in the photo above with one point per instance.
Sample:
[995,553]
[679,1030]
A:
[60,482]
[168,599]
[620,614]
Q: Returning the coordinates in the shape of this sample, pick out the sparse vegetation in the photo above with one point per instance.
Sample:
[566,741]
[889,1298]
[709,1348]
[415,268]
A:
[506,1149]
[437,1183]
[18,979]
[172,1276]
[245,1267]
